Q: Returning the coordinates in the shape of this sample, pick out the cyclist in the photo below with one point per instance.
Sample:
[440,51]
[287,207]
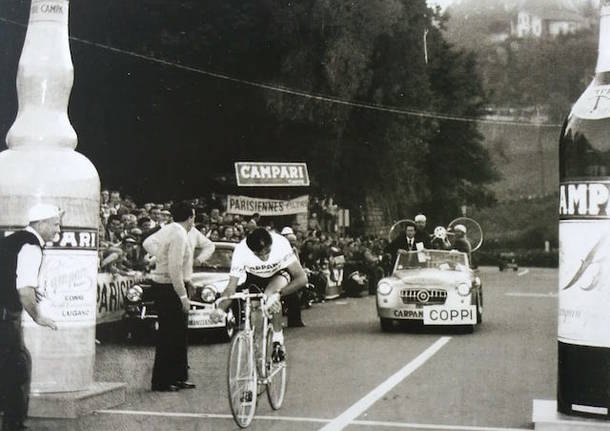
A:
[267,261]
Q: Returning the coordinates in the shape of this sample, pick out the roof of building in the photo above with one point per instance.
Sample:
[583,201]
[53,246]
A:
[551,10]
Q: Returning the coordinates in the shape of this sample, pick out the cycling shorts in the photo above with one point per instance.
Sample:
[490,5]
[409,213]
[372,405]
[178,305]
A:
[255,284]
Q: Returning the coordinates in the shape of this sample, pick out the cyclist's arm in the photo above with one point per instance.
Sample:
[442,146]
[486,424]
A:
[229,290]
[298,278]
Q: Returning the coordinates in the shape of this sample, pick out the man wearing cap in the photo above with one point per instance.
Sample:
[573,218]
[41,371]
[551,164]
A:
[170,246]
[20,260]
[461,242]
[420,231]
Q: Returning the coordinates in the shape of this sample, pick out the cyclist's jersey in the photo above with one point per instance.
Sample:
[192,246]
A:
[244,261]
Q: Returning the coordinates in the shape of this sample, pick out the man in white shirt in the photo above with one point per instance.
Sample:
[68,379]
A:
[266,260]
[174,261]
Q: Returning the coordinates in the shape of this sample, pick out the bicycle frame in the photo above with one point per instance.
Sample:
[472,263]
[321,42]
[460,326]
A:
[258,370]
[250,330]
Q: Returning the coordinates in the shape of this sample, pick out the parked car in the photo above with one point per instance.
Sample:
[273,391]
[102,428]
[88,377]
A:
[435,287]
[209,280]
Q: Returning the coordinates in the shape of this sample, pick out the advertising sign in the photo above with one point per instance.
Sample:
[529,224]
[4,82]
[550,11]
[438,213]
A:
[584,263]
[111,290]
[244,205]
[271,174]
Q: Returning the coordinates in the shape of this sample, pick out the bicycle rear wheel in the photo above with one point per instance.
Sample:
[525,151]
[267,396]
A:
[276,376]
[241,379]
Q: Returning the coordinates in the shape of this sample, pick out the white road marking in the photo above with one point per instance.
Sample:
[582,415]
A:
[525,271]
[311,420]
[406,425]
[532,295]
[208,415]
[372,397]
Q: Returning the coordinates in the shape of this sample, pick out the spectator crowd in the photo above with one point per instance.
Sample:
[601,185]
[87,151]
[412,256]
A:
[125,224]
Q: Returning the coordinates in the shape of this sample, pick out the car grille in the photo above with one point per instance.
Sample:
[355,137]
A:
[423,296]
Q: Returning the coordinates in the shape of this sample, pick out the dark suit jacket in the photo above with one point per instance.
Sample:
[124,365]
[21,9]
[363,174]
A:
[400,243]
[423,237]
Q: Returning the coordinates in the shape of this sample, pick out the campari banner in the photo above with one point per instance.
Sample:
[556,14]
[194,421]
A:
[244,205]
[271,174]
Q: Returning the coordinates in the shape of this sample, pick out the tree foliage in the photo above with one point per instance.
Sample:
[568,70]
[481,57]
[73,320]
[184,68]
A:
[180,127]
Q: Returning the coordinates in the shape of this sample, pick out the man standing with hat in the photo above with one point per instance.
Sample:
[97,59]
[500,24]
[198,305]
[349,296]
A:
[20,261]
[461,242]
[420,231]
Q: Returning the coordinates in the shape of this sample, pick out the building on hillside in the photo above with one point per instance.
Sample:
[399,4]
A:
[546,18]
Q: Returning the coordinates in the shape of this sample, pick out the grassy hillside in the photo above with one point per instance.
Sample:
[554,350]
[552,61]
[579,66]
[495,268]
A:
[519,224]
[526,157]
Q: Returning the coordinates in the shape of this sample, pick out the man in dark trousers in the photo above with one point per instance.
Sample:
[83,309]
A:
[170,245]
[20,260]
[293,301]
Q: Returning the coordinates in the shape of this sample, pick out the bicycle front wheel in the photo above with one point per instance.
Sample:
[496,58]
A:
[241,378]
[276,376]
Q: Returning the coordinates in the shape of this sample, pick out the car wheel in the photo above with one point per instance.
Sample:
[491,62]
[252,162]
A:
[387,325]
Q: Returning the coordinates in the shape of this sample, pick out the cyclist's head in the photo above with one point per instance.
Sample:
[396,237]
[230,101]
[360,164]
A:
[259,241]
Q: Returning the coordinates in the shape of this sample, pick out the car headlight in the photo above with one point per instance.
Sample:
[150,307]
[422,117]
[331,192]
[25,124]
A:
[463,289]
[384,288]
[208,294]
[134,293]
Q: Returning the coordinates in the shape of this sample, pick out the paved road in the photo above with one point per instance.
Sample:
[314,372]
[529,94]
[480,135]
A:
[346,374]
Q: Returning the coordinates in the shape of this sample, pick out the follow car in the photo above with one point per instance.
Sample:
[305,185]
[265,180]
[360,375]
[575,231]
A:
[436,287]
[208,282]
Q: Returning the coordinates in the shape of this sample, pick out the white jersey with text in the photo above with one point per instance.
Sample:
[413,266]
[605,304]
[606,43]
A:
[245,261]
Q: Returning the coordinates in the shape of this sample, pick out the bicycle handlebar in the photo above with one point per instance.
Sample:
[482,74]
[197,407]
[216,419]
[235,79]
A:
[240,295]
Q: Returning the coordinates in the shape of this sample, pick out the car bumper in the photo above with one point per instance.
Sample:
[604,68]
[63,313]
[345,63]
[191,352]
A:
[455,312]
[198,318]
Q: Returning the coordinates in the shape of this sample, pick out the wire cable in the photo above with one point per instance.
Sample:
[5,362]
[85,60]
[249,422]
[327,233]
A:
[304,94]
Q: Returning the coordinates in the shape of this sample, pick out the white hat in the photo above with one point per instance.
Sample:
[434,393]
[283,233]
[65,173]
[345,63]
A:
[287,230]
[42,212]
[459,228]
[420,217]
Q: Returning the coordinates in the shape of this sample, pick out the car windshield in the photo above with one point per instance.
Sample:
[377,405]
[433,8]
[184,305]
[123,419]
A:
[220,261]
[440,259]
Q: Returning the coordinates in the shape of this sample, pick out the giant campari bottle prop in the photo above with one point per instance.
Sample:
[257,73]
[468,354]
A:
[583,387]
[41,165]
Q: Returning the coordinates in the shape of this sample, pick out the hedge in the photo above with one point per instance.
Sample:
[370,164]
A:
[523,257]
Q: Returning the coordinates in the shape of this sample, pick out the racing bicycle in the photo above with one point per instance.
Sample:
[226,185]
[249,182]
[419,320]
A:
[252,366]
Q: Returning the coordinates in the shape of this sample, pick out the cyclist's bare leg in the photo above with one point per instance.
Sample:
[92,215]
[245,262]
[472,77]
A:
[278,282]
